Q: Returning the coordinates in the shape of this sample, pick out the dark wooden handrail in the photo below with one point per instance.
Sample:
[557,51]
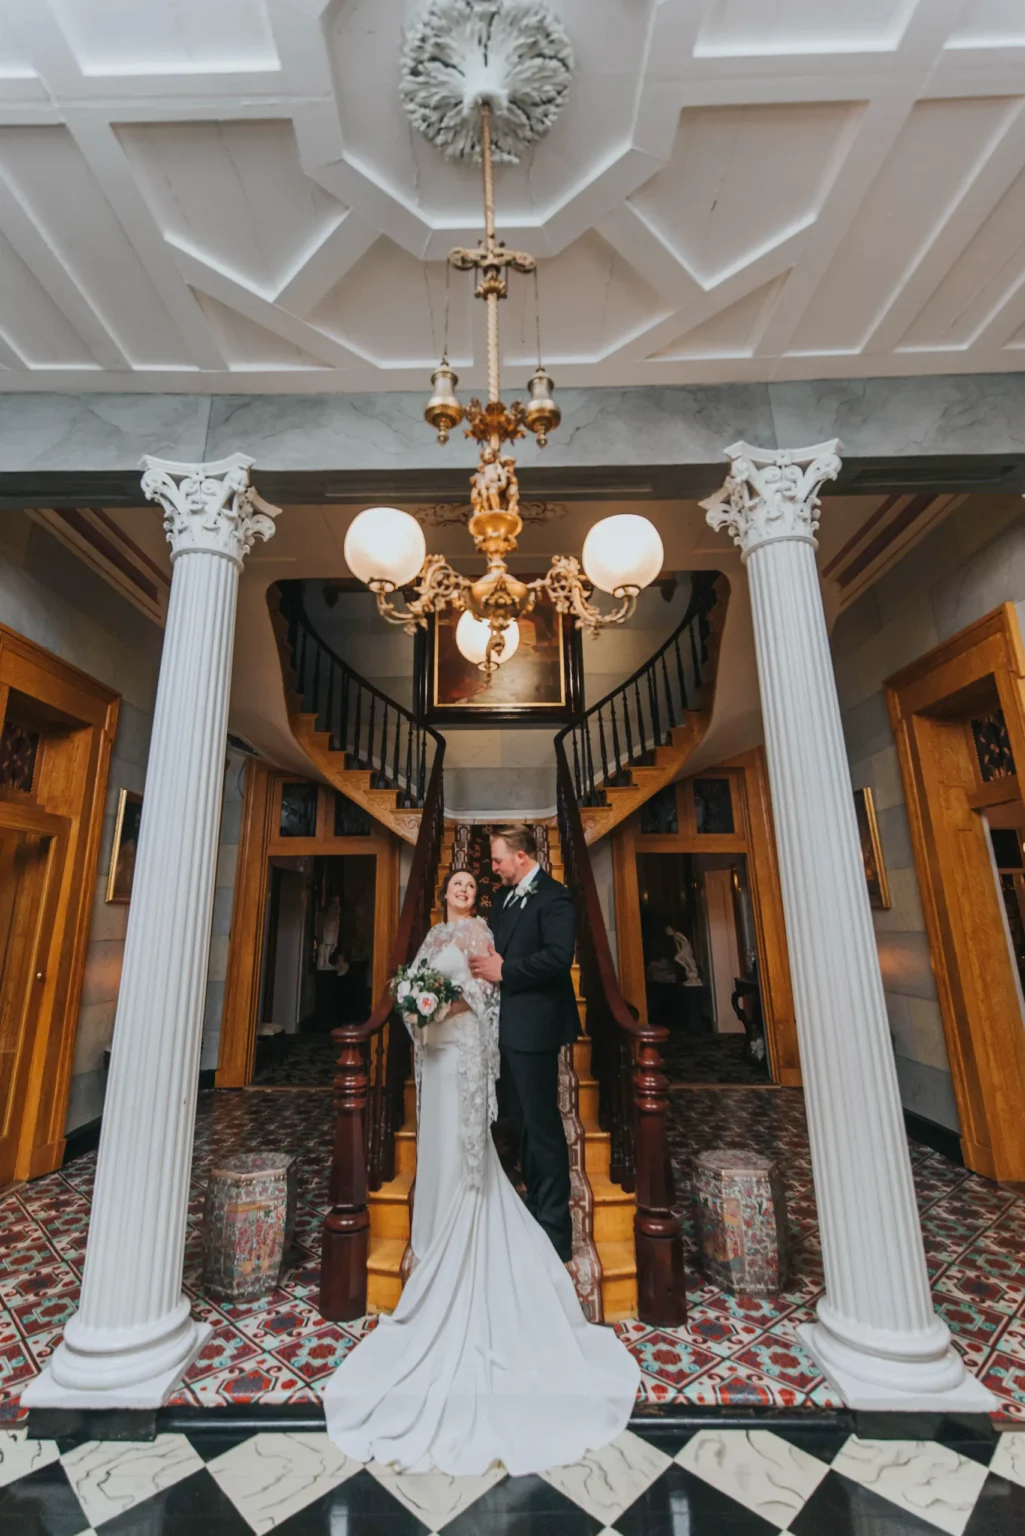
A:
[373,1065]
[633,1089]
[640,713]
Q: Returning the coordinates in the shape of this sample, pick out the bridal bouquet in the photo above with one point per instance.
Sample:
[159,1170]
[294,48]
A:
[422,994]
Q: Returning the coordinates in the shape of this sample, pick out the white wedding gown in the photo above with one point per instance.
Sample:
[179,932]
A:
[488,1356]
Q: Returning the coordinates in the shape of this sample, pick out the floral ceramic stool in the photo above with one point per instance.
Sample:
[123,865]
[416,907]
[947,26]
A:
[740,1218]
[248,1223]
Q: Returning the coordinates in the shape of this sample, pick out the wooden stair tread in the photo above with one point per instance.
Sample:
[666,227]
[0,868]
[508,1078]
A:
[396,1191]
[385,1255]
[607,1193]
[618,1260]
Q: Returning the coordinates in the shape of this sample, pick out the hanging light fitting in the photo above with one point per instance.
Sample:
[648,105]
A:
[385,547]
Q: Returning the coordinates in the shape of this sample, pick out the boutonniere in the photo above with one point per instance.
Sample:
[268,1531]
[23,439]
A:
[526,895]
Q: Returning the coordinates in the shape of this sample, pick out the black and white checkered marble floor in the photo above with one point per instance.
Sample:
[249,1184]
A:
[708,1482]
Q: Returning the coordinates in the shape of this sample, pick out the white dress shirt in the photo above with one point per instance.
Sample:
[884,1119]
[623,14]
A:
[520,890]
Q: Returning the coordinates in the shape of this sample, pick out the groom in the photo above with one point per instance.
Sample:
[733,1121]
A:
[533,921]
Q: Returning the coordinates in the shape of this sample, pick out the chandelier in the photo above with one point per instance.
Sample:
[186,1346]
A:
[385,547]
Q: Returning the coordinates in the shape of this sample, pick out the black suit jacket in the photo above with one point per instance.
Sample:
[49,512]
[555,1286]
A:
[536,942]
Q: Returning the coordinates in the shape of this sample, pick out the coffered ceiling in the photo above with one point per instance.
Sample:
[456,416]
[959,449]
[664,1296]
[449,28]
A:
[226,195]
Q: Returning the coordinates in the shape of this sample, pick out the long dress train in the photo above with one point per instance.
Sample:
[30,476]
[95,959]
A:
[488,1356]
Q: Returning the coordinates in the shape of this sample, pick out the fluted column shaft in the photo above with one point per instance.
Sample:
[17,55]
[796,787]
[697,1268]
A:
[877,1337]
[133,1333]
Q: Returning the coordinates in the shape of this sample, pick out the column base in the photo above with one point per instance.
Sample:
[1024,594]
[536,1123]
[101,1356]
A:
[153,1392]
[887,1384]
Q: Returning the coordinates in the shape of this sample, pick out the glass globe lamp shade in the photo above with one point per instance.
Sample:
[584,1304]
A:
[472,636]
[622,551]
[384,546]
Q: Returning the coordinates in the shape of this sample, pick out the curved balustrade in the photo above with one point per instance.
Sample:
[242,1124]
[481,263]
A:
[372,731]
[624,728]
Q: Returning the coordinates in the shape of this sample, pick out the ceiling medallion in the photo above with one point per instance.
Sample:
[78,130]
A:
[474,69]
[447,514]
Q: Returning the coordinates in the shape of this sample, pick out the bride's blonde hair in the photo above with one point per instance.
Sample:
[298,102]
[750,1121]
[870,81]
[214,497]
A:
[443,899]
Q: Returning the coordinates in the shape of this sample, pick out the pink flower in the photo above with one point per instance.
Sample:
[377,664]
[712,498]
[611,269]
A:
[427,1003]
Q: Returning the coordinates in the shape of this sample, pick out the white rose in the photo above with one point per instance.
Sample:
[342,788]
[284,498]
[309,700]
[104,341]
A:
[427,1003]
[402,991]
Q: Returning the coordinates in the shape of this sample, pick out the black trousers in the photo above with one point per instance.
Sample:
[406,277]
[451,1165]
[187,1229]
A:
[529,1095]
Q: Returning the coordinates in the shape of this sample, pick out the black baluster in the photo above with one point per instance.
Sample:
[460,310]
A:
[395,757]
[615,736]
[343,724]
[300,665]
[407,798]
[626,725]
[670,707]
[680,675]
[694,654]
[355,733]
[330,720]
[601,744]
[316,685]
[370,737]
[656,723]
[576,765]
[382,773]
[641,739]
[421,789]
[592,778]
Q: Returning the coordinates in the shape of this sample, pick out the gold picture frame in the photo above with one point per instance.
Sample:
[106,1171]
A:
[871,850]
[122,852]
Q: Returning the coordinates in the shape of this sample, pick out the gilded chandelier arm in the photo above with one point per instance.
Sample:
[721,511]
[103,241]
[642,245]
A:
[570,592]
[437,586]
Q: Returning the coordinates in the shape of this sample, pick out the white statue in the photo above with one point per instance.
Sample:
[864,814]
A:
[684,957]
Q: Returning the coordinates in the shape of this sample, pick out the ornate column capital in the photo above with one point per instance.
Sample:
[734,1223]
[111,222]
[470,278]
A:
[209,508]
[772,493]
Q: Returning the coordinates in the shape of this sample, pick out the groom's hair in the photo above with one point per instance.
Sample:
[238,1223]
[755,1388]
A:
[519,838]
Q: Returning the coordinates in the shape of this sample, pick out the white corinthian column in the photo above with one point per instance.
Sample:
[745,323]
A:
[133,1336]
[876,1338]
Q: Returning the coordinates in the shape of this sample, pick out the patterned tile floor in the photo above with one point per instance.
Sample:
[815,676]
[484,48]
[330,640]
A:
[736,1351]
[712,1482]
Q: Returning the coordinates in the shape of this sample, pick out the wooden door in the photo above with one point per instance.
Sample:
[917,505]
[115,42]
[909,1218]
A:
[33,847]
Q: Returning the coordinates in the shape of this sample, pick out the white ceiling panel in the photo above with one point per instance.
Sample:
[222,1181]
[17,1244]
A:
[226,194]
[157,37]
[935,158]
[989,24]
[234,193]
[31,322]
[740,179]
[47,174]
[732,332]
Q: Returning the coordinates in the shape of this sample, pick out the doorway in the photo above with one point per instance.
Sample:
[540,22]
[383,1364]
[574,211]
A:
[700,932]
[313,925]
[32,852]
[317,961]
[56,730]
[958,716]
[701,966]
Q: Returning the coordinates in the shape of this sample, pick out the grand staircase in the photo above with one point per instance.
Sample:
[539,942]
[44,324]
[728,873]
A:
[611,760]
[359,740]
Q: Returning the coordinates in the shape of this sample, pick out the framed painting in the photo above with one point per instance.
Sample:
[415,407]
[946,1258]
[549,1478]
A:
[871,850]
[540,685]
[126,841]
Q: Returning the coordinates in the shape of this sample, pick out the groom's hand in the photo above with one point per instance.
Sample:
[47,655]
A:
[487,967]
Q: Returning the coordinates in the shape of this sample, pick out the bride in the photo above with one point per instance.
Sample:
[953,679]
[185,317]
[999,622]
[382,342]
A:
[488,1356]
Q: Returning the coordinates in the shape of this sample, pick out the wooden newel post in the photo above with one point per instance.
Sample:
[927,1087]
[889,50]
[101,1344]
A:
[661,1292]
[346,1236]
